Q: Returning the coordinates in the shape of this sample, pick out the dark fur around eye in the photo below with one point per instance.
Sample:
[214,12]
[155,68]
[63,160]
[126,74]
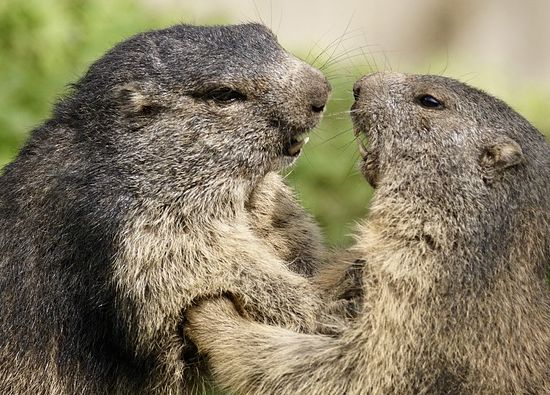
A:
[428,101]
[222,95]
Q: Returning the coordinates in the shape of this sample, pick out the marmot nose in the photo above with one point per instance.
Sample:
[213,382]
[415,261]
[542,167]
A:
[319,93]
[364,84]
[357,90]
[370,83]
[318,107]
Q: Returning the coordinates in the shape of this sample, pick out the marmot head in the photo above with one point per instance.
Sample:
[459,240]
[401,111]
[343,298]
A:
[454,169]
[196,107]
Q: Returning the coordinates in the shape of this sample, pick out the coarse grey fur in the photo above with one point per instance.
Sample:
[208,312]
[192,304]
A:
[145,191]
[456,245]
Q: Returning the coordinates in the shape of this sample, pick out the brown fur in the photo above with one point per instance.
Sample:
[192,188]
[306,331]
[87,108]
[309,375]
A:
[145,192]
[457,246]
[284,226]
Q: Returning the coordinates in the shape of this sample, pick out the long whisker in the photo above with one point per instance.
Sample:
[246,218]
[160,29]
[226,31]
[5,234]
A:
[258,13]
[335,43]
[333,137]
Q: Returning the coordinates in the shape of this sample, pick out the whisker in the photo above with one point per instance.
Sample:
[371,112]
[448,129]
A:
[338,113]
[336,43]
[333,43]
[258,14]
[333,137]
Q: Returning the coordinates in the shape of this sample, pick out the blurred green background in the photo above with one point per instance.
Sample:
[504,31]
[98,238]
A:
[44,45]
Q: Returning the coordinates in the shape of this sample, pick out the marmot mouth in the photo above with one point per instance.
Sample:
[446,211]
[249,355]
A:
[369,164]
[295,144]
[362,144]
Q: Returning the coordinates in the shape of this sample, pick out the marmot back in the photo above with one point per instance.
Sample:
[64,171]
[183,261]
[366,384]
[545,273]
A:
[130,203]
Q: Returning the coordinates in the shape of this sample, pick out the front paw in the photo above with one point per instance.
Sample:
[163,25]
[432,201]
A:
[351,288]
[348,297]
[208,320]
[299,313]
[342,279]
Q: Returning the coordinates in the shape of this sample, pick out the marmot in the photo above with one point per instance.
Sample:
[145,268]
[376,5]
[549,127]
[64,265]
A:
[457,246]
[145,191]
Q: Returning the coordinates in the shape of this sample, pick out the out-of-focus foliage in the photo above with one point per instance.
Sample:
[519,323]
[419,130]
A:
[45,45]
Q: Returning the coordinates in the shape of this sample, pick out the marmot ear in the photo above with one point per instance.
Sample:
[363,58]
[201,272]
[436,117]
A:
[135,98]
[502,155]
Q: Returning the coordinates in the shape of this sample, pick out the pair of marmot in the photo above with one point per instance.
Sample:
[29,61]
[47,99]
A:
[153,187]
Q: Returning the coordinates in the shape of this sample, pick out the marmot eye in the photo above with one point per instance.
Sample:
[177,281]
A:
[428,101]
[224,95]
